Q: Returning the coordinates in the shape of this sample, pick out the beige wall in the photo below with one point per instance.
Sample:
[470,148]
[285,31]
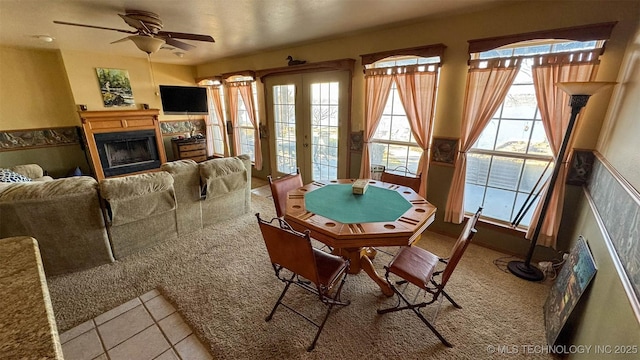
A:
[617,325]
[81,70]
[604,315]
[454,33]
[34,91]
[622,128]
[40,89]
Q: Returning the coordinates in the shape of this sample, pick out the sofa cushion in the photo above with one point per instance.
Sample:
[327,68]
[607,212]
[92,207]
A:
[9,176]
[222,176]
[137,197]
[32,171]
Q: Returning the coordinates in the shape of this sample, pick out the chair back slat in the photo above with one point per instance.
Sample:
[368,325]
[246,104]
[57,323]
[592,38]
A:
[290,249]
[460,246]
[280,187]
[408,181]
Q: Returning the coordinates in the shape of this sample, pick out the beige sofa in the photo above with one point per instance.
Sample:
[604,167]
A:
[64,215]
[80,223]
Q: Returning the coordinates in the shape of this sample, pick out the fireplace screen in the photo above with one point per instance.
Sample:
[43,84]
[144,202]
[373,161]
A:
[127,152]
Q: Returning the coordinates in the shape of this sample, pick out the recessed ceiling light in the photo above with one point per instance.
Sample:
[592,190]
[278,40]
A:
[44,38]
[179,54]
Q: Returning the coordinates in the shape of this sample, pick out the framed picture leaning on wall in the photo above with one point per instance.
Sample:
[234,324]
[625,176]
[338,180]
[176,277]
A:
[574,277]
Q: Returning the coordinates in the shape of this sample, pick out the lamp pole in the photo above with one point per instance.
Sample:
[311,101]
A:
[580,93]
[523,269]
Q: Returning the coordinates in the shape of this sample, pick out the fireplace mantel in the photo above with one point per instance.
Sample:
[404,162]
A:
[119,121]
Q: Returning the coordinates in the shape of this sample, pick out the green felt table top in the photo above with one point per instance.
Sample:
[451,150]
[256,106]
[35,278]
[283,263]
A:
[337,202]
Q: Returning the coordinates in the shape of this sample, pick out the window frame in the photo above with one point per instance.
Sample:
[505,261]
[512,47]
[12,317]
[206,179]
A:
[526,155]
[391,63]
[242,118]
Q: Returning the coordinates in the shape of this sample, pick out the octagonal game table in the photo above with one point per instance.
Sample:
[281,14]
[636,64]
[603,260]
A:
[386,215]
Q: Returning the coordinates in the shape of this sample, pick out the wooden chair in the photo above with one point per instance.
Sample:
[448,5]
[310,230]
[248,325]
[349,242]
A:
[418,267]
[281,186]
[413,181]
[296,262]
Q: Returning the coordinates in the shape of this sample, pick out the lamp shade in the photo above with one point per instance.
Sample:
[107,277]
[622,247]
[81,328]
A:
[583,87]
[147,44]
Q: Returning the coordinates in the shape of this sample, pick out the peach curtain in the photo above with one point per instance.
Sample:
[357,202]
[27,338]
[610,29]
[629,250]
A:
[417,91]
[548,70]
[488,82]
[247,97]
[377,87]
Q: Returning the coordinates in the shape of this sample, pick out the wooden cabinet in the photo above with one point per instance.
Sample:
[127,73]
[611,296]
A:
[192,148]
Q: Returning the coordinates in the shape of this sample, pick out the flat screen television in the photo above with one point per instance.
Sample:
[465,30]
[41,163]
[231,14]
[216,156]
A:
[184,100]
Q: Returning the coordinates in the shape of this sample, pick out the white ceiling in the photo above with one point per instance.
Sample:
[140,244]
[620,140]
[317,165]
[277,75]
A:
[238,26]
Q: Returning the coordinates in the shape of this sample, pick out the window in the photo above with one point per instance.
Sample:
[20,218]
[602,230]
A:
[218,134]
[245,128]
[511,159]
[393,144]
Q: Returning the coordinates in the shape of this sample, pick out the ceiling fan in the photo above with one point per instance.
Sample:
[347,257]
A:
[148,35]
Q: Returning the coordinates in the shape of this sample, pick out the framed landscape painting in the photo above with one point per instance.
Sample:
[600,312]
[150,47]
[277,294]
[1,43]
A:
[115,87]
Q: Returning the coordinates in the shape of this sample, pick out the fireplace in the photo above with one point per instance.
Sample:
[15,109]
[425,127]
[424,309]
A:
[128,151]
[123,141]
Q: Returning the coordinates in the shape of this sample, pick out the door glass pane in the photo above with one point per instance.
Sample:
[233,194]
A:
[285,127]
[324,130]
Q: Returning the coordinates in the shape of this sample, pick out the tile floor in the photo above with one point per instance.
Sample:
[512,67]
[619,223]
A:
[145,328]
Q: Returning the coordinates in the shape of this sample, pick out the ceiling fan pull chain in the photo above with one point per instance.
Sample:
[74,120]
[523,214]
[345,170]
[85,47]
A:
[153,81]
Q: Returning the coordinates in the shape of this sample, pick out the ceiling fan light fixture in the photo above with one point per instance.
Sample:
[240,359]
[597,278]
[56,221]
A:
[147,44]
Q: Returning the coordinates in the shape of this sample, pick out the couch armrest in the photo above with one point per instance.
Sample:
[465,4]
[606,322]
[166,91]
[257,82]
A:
[32,171]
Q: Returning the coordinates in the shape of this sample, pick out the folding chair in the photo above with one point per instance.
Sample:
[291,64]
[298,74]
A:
[391,176]
[281,186]
[296,262]
[418,266]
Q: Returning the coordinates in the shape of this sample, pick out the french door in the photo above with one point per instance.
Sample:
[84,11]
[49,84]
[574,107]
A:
[309,114]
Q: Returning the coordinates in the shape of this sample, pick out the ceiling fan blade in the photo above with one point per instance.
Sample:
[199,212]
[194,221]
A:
[94,27]
[121,40]
[185,36]
[179,44]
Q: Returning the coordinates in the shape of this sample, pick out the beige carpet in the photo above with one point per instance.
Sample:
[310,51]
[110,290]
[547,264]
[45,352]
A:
[221,281]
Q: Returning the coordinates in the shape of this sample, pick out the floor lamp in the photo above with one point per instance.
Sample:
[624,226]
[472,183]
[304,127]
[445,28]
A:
[580,93]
